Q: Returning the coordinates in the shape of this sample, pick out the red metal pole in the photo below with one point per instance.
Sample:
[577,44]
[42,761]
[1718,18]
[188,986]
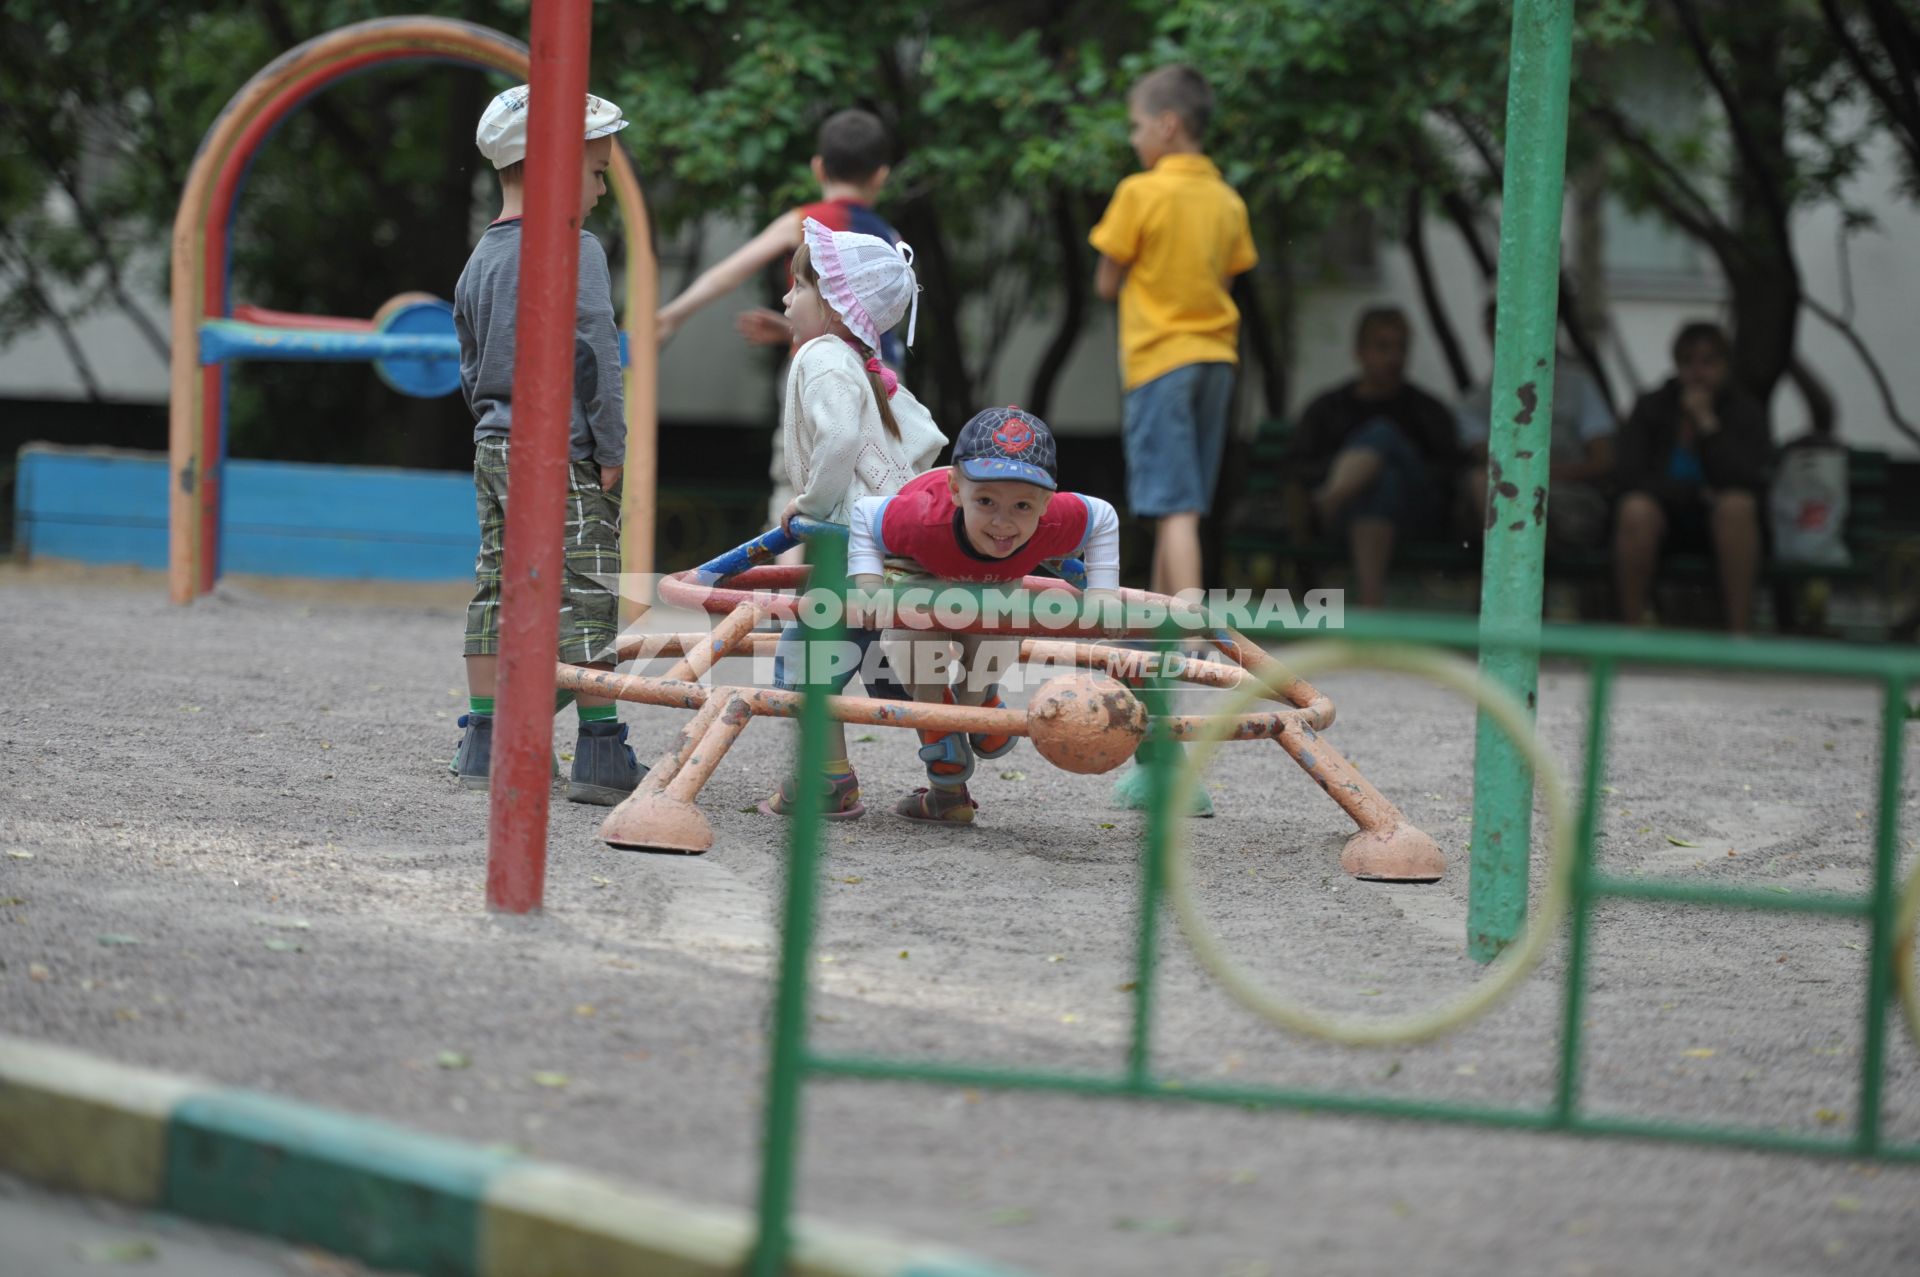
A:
[537,471]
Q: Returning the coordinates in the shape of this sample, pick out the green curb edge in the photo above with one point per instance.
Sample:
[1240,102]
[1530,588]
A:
[377,1192]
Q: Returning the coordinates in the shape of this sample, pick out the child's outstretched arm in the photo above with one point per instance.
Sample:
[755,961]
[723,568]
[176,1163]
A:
[781,237]
[866,555]
[1108,277]
[1100,551]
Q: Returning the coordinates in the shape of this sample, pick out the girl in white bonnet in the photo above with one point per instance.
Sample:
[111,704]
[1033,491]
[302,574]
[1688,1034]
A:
[850,429]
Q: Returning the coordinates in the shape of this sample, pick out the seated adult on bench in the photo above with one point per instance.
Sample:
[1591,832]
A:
[1692,464]
[1380,452]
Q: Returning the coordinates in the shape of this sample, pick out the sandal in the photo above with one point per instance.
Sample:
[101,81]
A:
[842,800]
[938,806]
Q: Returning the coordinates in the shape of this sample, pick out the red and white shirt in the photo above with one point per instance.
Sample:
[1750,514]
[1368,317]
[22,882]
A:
[922,525]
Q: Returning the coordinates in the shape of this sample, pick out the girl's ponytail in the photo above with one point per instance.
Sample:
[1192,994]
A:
[884,383]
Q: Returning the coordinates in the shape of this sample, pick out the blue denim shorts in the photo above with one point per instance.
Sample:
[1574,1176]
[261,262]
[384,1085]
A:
[1405,494]
[1176,431]
[789,667]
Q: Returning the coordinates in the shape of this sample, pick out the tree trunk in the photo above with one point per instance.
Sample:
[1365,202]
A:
[1437,317]
[1073,312]
[952,389]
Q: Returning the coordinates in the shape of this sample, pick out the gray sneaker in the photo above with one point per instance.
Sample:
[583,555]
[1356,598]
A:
[473,761]
[604,768]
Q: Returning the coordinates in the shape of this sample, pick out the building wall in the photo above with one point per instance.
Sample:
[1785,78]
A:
[710,377]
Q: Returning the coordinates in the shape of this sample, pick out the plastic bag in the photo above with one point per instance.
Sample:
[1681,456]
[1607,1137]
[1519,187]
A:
[1808,506]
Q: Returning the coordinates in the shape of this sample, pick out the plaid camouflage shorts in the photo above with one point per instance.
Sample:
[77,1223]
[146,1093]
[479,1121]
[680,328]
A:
[588,603]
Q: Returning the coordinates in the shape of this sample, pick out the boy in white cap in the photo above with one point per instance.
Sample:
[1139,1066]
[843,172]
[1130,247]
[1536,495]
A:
[485,306]
[850,429]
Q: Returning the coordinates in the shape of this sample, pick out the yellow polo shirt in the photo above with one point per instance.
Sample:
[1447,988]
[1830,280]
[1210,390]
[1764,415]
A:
[1182,233]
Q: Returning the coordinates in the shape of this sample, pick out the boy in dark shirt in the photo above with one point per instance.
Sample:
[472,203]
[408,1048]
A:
[1690,468]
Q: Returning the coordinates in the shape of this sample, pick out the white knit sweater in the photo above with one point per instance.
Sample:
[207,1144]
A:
[837,449]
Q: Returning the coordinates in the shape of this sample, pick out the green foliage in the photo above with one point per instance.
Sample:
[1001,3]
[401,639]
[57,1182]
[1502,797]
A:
[1010,120]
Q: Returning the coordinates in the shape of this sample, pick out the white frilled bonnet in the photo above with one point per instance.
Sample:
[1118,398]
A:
[868,282]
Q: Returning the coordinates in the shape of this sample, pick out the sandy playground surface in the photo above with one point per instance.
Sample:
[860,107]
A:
[229,846]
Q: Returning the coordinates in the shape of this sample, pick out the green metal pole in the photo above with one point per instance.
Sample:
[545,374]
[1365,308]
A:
[1517,456]
[1580,904]
[779,1151]
[1886,891]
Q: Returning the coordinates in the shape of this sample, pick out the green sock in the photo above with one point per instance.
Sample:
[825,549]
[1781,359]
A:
[480,705]
[597,713]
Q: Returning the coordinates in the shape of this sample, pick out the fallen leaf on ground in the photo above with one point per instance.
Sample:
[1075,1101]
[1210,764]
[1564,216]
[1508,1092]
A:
[21,855]
[112,940]
[133,1252]
[903,953]
[37,971]
[1106,824]
[853,880]
[453,1059]
[555,1081]
[287,924]
[1608,789]
[1142,1224]
[1681,842]
[1369,993]
[1780,891]
[1847,1205]
[1010,1216]
[586,1010]
[14,900]
[1013,775]
[1699,1053]
[1827,1117]
[602,882]
[1056,957]
[1069,1018]
[1466,1070]
[286,946]
[864,740]
[1128,987]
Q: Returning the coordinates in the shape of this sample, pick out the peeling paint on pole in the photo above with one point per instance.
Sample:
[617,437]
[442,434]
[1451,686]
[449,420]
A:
[1518,454]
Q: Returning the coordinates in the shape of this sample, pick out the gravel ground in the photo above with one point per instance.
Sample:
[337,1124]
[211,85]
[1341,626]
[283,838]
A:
[232,849]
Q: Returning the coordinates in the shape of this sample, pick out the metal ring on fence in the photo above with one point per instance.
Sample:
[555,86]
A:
[1903,945]
[1508,970]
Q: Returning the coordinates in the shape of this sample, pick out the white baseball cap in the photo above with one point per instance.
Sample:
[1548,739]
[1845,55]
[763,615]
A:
[868,282]
[502,135]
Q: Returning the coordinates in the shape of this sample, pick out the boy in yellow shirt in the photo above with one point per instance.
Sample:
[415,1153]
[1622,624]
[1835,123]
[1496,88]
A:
[1170,241]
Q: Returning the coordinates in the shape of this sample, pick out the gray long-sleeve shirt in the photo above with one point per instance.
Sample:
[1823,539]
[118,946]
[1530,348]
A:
[485,304]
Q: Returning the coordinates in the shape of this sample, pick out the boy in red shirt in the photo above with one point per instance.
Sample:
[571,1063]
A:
[993,516]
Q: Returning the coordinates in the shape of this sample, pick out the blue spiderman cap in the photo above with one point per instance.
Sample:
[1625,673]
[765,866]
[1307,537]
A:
[1007,445]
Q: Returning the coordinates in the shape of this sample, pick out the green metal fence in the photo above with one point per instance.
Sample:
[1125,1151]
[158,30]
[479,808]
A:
[1603,652]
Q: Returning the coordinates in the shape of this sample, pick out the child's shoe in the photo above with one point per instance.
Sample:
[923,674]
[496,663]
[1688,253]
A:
[948,756]
[985,745]
[1131,791]
[842,800]
[604,768]
[473,761]
[938,805]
